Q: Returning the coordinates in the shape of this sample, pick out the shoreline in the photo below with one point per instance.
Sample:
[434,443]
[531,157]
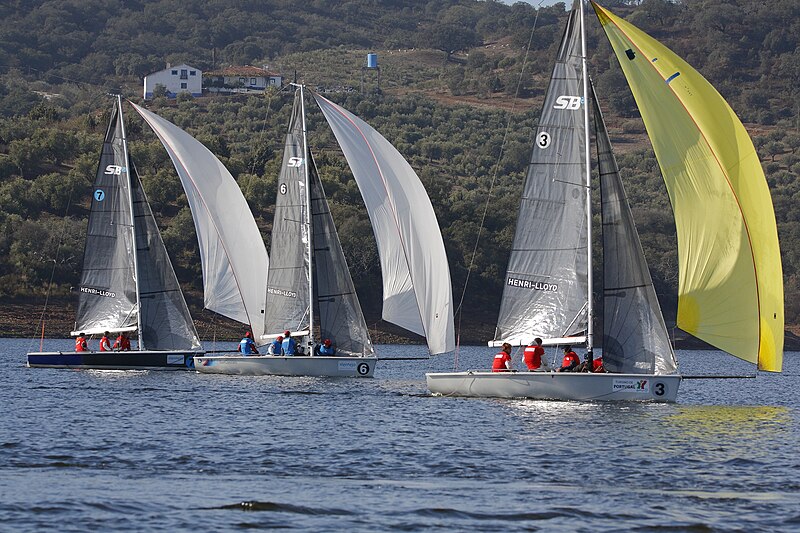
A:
[20,319]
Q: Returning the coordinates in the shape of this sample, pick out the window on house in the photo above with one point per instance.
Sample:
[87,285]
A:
[242,80]
[192,73]
[184,74]
[174,72]
[252,81]
[183,85]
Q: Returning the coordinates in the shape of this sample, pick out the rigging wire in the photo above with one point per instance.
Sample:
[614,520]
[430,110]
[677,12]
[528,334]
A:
[492,183]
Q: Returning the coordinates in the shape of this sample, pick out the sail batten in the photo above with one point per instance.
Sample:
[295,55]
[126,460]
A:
[730,276]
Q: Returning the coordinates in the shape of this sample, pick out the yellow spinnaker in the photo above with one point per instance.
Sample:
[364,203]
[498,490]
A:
[730,290]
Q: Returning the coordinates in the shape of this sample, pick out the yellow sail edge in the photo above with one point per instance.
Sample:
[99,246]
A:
[730,290]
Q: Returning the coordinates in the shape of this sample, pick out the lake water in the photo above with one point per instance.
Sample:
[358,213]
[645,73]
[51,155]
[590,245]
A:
[180,451]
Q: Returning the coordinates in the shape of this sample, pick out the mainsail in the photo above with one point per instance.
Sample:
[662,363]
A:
[546,292]
[288,299]
[635,338]
[232,252]
[417,293]
[730,290]
[107,299]
[125,260]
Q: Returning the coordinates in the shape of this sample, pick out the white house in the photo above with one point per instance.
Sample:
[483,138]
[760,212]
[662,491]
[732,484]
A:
[178,79]
[245,79]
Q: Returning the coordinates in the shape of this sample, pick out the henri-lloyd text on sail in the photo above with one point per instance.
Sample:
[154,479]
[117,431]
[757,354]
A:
[535,285]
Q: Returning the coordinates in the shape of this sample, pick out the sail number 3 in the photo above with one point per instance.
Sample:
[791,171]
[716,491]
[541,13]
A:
[543,140]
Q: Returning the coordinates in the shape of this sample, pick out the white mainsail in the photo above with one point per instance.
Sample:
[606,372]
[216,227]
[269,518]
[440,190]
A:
[417,293]
[232,251]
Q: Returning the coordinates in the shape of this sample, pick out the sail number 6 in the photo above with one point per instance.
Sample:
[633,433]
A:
[543,140]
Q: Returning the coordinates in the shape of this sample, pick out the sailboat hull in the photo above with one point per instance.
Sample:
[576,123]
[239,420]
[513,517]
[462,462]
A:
[556,386]
[270,365]
[132,360]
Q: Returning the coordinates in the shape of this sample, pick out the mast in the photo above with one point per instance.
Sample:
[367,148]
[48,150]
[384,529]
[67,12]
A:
[309,226]
[133,222]
[589,304]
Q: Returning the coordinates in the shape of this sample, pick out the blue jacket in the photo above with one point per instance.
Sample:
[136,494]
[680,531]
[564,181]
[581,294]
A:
[247,346]
[289,346]
[327,350]
[275,347]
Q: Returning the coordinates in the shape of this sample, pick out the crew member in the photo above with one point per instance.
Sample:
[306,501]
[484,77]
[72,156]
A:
[289,346]
[327,348]
[570,361]
[502,361]
[275,346]
[247,346]
[533,354]
[80,343]
[105,342]
[123,343]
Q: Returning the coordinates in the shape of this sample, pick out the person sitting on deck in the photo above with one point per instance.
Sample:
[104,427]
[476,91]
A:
[275,346]
[247,346]
[588,363]
[326,348]
[597,366]
[502,361]
[80,343]
[289,346]
[570,361]
[123,343]
[533,355]
[105,342]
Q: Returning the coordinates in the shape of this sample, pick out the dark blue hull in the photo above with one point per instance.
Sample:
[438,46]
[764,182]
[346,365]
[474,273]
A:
[133,360]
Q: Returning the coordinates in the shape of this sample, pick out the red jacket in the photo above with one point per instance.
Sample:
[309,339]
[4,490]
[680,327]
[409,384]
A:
[122,343]
[570,359]
[81,345]
[105,344]
[500,360]
[597,366]
[533,356]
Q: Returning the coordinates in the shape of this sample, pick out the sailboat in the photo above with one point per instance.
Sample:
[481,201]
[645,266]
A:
[128,283]
[233,256]
[309,288]
[730,288]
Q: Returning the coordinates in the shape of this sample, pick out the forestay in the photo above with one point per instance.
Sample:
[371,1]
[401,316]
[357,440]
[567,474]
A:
[730,290]
[232,252]
[545,293]
[417,292]
[635,338]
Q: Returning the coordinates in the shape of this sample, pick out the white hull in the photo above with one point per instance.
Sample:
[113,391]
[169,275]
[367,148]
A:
[298,365]
[556,386]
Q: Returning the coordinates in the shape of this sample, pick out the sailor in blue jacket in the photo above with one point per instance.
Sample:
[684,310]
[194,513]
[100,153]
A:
[289,346]
[326,348]
[247,346]
[275,346]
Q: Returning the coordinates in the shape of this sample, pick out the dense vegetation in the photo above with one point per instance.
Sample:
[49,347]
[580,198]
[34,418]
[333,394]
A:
[450,73]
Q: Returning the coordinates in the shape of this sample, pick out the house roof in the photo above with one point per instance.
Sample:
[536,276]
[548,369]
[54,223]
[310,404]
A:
[246,70]
[173,67]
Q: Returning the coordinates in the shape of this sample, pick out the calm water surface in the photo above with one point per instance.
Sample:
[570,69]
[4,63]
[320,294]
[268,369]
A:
[179,451]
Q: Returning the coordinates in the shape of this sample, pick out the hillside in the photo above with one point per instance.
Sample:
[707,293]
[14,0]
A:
[445,103]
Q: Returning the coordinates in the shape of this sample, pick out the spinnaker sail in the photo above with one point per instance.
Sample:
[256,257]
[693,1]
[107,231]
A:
[417,293]
[232,252]
[730,291]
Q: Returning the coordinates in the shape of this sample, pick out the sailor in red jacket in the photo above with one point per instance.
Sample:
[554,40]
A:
[533,354]
[502,361]
[105,342]
[80,343]
[571,360]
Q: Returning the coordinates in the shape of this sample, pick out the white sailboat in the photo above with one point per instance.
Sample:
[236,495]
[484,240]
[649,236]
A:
[128,283]
[730,290]
[309,288]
